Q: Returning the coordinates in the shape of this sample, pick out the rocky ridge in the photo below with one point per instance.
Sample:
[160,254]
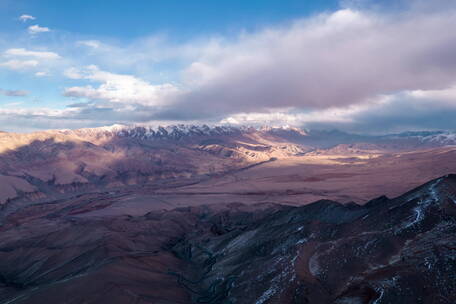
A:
[399,250]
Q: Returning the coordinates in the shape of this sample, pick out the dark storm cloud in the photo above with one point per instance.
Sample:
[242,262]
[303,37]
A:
[400,113]
[334,60]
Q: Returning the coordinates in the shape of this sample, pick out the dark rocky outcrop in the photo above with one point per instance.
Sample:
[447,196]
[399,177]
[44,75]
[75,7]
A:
[400,250]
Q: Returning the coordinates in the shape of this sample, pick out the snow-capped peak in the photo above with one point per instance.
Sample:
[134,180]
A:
[443,138]
[155,132]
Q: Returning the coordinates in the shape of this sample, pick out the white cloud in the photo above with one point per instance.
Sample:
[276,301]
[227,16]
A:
[31,119]
[19,64]
[90,43]
[21,52]
[41,74]
[38,112]
[20,58]
[118,88]
[295,117]
[35,29]
[25,18]
[446,95]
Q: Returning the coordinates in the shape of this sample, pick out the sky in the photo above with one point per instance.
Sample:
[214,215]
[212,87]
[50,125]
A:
[360,66]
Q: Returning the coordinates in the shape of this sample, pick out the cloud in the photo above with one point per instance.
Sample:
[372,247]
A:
[360,68]
[19,64]
[41,74]
[293,117]
[445,95]
[22,59]
[330,69]
[25,18]
[89,43]
[13,93]
[21,52]
[331,60]
[298,117]
[27,120]
[118,88]
[385,114]
[36,29]
[78,116]
[401,112]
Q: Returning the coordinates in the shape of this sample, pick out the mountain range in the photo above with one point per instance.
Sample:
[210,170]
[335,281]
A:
[46,164]
[199,214]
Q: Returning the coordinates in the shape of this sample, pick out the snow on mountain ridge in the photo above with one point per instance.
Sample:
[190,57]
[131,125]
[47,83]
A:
[146,132]
[180,131]
[175,131]
[444,138]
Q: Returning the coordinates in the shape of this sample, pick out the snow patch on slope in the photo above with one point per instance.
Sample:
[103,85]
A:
[424,204]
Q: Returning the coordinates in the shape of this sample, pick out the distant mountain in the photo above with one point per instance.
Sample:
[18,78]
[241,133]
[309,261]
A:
[41,164]
[400,250]
[443,138]
[51,163]
[172,132]
[314,138]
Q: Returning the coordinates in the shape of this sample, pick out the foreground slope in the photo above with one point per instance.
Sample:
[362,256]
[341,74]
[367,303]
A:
[400,250]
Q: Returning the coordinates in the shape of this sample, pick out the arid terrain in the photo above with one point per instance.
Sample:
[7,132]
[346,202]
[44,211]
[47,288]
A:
[227,152]
[189,214]
[386,251]
[235,164]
